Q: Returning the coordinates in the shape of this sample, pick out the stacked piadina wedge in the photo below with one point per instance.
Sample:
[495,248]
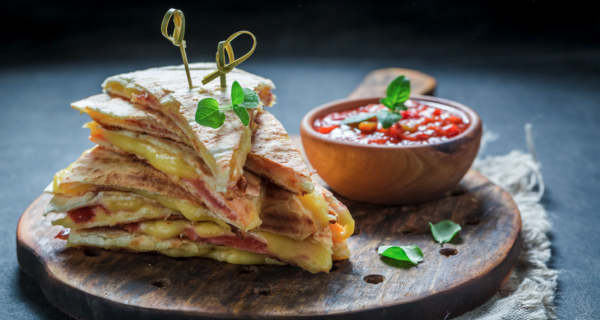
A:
[158,181]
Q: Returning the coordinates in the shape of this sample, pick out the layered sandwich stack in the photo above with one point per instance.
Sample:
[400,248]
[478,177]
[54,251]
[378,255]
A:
[158,181]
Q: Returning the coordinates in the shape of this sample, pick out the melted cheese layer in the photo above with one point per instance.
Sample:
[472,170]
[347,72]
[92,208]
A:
[235,256]
[306,254]
[159,157]
[316,204]
[165,161]
[190,211]
[108,239]
[173,228]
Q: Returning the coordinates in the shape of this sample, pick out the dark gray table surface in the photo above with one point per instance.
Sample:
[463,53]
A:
[559,93]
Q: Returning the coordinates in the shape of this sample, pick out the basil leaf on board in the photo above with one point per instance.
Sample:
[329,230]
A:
[410,253]
[397,92]
[444,231]
[359,118]
[251,99]
[208,113]
[388,118]
[242,113]
[237,94]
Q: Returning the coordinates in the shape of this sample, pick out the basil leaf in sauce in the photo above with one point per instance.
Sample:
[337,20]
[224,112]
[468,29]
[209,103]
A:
[359,118]
[208,113]
[388,118]
[410,253]
[444,231]
[398,91]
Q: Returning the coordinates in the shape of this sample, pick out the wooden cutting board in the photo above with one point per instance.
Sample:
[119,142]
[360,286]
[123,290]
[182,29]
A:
[98,284]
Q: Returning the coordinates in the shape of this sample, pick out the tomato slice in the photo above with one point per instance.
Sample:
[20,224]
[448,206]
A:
[367,126]
[451,130]
[326,130]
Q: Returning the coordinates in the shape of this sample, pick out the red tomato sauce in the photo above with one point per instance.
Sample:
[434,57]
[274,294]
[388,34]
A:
[420,124]
[81,214]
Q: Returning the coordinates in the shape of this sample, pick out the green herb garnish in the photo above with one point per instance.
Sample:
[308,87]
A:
[397,93]
[210,114]
[444,231]
[404,253]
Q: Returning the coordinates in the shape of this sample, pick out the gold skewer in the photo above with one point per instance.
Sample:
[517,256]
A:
[222,68]
[177,37]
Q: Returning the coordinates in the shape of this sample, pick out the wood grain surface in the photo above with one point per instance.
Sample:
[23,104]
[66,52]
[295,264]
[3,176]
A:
[376,82]
[99,284]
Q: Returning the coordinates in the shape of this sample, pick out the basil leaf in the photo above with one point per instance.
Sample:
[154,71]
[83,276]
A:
[400,106]
[388,102]
[359,118]
[388,118]
[410,253]
[208,113]
[237,94]
[251,99]
[398,90]
[242,113]
[444,231]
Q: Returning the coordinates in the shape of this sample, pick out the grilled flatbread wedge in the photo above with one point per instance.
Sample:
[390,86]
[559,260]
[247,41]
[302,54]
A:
[281,212]
[166,90]
[272,155]
[101,169]
[123,220]
[206,239]
[285,210]
[121,113]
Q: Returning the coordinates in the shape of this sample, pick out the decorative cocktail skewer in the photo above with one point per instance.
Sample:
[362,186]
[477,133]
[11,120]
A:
[222,68]
[177,37]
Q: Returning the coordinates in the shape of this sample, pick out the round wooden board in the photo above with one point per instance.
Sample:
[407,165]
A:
[96,284]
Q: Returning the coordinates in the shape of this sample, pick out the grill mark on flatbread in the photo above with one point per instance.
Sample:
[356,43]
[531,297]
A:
[283,214]
[272,154]
[105,168]
[224,149]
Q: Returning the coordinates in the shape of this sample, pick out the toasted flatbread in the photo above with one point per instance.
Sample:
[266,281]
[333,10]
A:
[185,238]
[119,112]
[272,155]
[286,212]
[110,208]
[166,89]
[104,169]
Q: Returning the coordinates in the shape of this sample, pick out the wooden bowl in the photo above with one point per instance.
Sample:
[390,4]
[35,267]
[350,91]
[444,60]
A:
[391,175]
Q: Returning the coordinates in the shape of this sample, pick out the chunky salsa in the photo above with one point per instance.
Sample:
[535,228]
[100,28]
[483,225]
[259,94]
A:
[420,124]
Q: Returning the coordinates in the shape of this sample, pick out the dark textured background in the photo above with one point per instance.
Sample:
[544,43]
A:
[512,61]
